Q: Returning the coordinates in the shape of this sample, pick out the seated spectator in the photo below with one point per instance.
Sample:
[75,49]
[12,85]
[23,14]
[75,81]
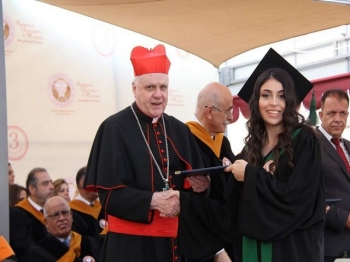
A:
[62,244]
[11,175]
[61,188]
[27,225]
[87,211]
[6,252]
[16,194]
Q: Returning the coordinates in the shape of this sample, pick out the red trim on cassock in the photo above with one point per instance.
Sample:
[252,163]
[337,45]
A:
[159,227]
[94,188]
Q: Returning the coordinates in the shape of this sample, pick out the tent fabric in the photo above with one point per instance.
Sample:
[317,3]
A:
[211,29]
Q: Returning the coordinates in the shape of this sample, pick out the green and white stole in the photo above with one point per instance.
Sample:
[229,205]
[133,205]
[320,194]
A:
[250,246]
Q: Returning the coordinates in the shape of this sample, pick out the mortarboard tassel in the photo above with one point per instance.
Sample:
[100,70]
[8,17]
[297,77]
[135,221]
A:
[312,119]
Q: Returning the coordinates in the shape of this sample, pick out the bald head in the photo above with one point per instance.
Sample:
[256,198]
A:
[58,217]
[53,202]
[214,107]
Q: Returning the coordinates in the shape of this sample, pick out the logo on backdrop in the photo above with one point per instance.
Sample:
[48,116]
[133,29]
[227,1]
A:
[17,143]
[9,30]
[103,41]
[61,90]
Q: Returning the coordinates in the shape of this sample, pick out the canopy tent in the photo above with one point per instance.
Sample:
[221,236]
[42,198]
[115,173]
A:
[211,29]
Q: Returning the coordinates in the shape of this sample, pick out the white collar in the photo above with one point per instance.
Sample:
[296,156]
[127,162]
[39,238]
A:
[328,136]
[79,197]
[35,205]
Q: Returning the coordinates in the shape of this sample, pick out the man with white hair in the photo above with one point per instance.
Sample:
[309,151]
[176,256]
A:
[62,244]
[132,165]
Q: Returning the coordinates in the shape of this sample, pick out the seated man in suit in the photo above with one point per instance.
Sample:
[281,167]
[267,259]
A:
[87,215]
[62,244]
[27,225]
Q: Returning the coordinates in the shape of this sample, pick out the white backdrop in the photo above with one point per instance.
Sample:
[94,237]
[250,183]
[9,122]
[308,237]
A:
[65,73]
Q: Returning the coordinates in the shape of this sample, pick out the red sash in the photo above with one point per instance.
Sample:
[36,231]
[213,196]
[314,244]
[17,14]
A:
[160,226]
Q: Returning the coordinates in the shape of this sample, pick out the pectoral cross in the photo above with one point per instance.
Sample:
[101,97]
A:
[166,186]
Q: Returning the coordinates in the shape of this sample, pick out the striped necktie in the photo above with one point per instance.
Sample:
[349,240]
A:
[341,153]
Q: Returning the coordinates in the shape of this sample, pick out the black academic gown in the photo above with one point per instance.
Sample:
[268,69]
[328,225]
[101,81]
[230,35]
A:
[86,224]
[25,230]
[286,209]
[50,249]
[218,184]
[121,168]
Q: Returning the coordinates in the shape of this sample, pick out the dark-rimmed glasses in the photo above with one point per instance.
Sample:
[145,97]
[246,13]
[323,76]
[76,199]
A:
[64,213]
[226,112]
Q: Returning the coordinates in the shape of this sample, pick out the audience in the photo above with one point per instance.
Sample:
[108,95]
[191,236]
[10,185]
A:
[62,244]
[11,175]
[16,194]
[87,216]
[6,252]
[61,188]
[27,225]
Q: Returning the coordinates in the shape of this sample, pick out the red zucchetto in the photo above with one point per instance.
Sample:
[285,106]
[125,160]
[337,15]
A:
[150,61]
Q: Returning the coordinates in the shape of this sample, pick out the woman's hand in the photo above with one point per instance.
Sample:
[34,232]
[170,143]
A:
[267,167]
[237,169]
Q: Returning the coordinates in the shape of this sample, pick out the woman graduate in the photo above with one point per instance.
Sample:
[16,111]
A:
[282,208]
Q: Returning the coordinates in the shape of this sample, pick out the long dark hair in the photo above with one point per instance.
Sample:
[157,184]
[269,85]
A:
[14,192]
[291,119]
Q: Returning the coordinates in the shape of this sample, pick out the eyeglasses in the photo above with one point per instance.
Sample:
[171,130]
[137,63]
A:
[64,213]
[226,112]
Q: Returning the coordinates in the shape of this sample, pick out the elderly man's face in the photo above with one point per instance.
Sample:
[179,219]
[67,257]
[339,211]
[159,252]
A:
[58,217]
[151,93]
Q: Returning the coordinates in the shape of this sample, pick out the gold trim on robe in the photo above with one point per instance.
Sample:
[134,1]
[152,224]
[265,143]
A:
[200,132]
[86,209]
[29,208]
[74,248]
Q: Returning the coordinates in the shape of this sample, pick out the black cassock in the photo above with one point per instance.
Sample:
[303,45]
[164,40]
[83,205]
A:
[286,210]
[121,168]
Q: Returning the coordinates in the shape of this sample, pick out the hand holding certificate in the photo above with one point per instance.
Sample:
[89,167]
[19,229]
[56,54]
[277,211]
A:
[207,171]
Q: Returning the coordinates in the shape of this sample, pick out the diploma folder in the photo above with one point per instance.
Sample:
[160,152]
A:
[202,171]
[331,201]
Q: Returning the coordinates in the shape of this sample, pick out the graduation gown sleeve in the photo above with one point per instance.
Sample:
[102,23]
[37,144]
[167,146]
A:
[274,206]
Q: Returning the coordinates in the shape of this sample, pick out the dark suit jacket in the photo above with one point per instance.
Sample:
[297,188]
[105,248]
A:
[337,179]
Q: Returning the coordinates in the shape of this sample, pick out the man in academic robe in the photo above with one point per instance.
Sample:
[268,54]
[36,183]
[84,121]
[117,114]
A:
[132,164]
[88,217]
[213,114]
[62,244]
[6,252]
[334,113]
[27,225]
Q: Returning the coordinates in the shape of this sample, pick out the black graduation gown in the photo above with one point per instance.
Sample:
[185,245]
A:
[120,167]
[50,249]
[286,209]
[86,224]
[25,230]
[217,187]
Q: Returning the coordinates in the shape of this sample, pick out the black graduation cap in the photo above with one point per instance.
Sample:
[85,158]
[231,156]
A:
[273,60]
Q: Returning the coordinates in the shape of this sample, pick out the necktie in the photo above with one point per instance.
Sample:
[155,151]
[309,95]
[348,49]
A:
[341,153]
[91,204]
[42,211]
[66,242]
